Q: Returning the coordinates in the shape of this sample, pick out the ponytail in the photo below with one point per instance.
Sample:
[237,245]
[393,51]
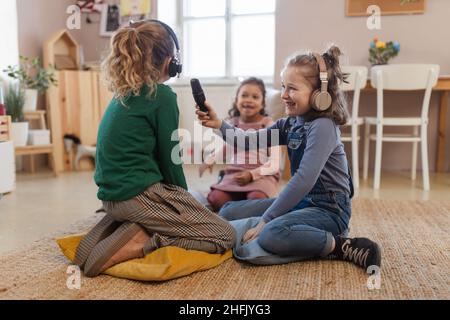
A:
[335,77]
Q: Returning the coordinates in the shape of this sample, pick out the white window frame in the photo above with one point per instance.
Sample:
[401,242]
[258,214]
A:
[228,79]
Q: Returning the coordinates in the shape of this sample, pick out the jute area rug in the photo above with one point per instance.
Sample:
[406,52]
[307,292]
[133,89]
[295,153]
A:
[415,237]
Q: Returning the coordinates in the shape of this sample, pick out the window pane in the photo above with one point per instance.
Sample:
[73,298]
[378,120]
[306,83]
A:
[204,8]
[9,36]
[167,12]
[204,43]
[252,6]
[253,46]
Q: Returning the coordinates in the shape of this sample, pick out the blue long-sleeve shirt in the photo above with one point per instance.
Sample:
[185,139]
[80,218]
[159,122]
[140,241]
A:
[323,156]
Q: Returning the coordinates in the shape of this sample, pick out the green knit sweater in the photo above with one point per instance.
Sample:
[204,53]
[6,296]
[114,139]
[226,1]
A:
[134,145]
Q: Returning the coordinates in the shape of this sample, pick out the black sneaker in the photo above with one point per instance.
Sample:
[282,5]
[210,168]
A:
[361,251]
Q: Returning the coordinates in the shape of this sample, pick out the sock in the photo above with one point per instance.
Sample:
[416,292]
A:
[337,251]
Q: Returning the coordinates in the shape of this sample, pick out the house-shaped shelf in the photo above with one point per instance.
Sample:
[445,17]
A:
[62,51]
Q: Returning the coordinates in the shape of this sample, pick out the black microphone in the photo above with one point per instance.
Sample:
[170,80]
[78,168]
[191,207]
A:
[199,95]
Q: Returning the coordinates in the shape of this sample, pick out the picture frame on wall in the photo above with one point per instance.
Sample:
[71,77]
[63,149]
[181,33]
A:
[113,16]
[110,20]
[356,8]
[130,8]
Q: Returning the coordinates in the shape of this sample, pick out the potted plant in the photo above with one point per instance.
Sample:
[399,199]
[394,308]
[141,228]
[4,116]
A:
[14,102]
[33,78]
[381,52]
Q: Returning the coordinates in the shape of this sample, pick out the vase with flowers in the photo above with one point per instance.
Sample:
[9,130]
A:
[381,52]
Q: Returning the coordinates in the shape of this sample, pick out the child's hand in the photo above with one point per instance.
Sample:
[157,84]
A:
[209,119]
[253,233]
[203,168]
[243,178]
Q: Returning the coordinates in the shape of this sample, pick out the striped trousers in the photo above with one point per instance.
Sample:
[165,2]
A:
[172,217]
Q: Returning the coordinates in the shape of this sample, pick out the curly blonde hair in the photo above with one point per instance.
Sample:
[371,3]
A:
[338,110]
[137,56]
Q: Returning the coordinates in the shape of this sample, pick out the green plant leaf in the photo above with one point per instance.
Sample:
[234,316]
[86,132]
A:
[14,102]
[31,75]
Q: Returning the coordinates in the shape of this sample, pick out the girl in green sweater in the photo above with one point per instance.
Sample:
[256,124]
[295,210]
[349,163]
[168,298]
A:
[141,185]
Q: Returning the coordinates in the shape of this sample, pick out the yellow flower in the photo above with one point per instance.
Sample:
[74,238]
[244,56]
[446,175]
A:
[380,45]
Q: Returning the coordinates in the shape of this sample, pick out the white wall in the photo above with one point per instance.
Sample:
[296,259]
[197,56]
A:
[9,54]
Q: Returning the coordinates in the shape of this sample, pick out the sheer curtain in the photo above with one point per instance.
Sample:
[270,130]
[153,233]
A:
[9,44]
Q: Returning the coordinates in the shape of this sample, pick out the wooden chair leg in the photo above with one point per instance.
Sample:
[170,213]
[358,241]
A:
[31,162]
[51,159]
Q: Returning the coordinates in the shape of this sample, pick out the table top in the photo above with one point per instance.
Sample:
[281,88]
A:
[443,84]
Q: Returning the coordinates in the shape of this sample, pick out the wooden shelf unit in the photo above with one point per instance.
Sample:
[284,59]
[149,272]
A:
[76,107]
[32,150]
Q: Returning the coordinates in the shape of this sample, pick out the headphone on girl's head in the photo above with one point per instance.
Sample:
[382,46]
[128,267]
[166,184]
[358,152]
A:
[321,99]
[175,65]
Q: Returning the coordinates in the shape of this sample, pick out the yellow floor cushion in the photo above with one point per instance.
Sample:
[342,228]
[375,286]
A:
[163,264]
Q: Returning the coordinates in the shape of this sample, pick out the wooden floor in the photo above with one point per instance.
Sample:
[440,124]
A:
[42,204]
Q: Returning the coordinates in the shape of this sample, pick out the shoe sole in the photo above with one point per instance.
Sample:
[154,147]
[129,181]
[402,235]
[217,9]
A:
[100,231]
[106,248]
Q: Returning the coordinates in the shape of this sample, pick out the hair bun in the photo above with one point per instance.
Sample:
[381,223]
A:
[332,55]
[334,51]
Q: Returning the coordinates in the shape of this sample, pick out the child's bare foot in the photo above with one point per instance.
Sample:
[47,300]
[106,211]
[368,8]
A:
[126,243]
[132,250]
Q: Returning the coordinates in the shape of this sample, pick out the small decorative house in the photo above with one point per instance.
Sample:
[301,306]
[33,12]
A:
[62,51]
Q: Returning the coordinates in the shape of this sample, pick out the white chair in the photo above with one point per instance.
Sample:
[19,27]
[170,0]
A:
[400,77]
[357,79]
[274,104]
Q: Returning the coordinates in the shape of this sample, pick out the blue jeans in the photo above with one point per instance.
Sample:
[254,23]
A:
[306,232]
